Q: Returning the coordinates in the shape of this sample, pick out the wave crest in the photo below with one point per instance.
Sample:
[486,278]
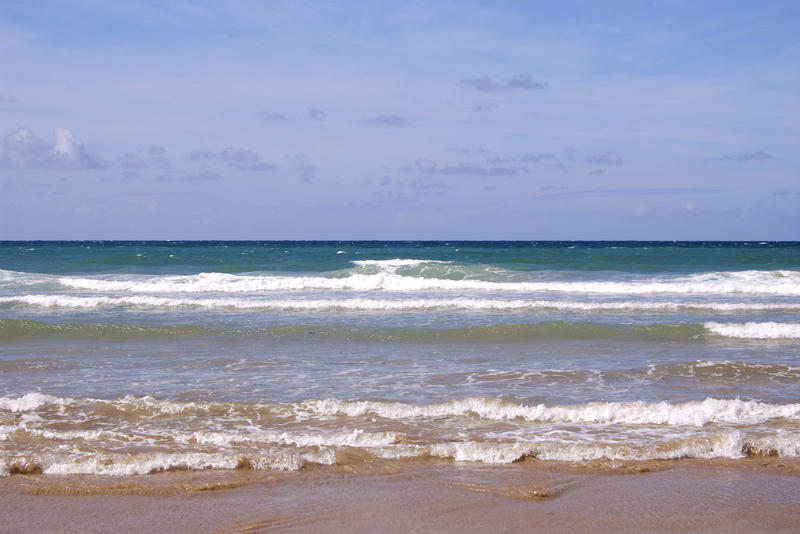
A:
[423,275]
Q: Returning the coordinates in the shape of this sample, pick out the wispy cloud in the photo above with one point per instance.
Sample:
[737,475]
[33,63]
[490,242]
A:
[551,187]
[537,158]
[485,84]
[132,161]
[236,158]
[483,107]
[427,187]
[238,155]
[270,116]
[158,157]
[307,173]
[608,158]
[387,120]
[570,155]
[258,166]
[429,166]
[317,115]
[245,160]
[201,155]
[744,158]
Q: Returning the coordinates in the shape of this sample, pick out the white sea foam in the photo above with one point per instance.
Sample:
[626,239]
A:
[780,282]
[693,413]
[138,464]
[62,462]
[753,330]
[287,461]
[392,264]
[66,435]
[197,435]
[150,404]
[732,444]
[481,451]
[354,438]
[32,401]
[724,444]
[371,304]
[729,443]
[121,464]
[785,444]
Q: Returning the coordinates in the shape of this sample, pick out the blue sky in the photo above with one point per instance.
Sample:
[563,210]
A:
[399,120]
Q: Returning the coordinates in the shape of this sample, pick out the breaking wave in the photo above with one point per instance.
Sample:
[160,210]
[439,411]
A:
[753,330]
[48,434]
[692,413]
[425,276]
[372,304]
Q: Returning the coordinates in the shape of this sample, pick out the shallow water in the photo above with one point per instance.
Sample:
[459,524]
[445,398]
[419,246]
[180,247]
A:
[125,358]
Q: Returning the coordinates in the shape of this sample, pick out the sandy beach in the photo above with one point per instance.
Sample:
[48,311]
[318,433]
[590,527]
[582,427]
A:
[686,496]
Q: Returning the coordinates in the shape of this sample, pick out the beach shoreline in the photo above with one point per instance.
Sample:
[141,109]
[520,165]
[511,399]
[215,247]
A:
[755,494]
[197,387]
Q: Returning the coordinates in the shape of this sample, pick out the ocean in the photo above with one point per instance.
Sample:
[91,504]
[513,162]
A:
[128,358]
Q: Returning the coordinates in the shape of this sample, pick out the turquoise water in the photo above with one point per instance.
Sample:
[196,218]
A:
[188,257]
[290,353]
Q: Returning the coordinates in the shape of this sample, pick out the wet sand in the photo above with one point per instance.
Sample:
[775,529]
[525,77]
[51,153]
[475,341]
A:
[754,495]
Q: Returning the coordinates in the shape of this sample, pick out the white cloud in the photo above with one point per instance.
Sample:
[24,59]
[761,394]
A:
[23,150]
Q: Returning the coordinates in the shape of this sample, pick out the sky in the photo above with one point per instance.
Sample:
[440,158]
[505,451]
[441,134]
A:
[399,120]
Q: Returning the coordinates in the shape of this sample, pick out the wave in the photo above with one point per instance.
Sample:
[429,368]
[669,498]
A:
[398,262]
[371,304]
[690,413]
[389,278]
[719,372]
[140,435]
[148,463]
[753,330]
[693,413]
[723,444]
